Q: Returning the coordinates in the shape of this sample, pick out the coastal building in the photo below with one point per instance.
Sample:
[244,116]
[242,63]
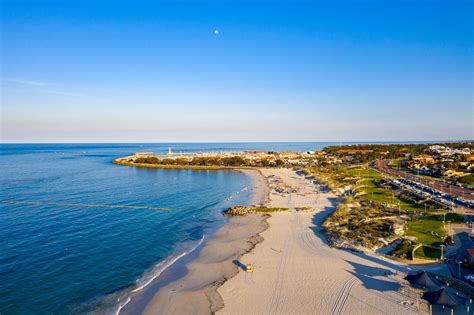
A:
[424,158]
[353,151]
[452,173]
[288,155]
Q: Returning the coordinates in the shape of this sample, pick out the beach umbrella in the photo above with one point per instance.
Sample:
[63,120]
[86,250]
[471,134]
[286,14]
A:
[423,279]
[445,297]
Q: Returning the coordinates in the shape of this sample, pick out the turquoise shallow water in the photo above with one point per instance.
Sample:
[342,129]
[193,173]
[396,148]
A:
[75,228]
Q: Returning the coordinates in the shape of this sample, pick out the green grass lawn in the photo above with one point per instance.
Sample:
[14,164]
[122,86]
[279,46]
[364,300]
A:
[368,185]
[396,162]
[429,230]
[467,179]
[427,252]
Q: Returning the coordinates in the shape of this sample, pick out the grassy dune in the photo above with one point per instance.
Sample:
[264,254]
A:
[378,210]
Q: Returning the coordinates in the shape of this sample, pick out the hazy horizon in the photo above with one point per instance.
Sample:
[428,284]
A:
[256,142]
[239,71]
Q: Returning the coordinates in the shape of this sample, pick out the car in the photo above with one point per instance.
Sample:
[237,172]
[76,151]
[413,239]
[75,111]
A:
[469,278]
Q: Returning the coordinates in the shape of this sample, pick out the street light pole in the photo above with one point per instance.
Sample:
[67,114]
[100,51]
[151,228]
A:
[442,252]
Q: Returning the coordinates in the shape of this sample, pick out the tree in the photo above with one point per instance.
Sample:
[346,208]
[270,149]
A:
[182,161]
[151,160]
[140,160]
[168,161]
[279,162]
[264,162]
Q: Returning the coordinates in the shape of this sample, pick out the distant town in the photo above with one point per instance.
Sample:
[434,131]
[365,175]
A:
[451,162]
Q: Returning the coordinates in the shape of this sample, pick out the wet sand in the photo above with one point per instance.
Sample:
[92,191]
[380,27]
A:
[260,188]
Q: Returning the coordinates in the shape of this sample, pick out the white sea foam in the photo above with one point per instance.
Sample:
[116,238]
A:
[155,272]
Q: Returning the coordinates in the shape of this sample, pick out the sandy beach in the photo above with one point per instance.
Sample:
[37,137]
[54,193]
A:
[295,271]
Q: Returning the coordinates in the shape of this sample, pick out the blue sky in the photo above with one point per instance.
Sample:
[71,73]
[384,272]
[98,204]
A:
[155,71]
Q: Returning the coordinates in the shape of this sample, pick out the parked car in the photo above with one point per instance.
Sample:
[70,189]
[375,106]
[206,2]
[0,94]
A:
[469,278]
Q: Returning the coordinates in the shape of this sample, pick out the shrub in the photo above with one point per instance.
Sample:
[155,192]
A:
[404,249]
[279,162]
[168,161]
[151,160]
[182,161]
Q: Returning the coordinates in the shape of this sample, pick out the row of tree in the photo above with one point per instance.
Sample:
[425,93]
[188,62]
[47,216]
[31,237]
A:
[390,151]
[211,161]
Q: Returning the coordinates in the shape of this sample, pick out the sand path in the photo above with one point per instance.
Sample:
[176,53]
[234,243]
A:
[296,272]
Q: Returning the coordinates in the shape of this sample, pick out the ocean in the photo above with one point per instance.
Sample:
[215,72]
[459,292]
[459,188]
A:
[76,229]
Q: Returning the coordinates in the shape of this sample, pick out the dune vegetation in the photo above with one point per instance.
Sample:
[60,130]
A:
[372,213]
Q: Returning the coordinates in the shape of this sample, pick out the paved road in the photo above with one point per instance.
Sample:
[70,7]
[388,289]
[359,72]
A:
[468,194]
[459,253]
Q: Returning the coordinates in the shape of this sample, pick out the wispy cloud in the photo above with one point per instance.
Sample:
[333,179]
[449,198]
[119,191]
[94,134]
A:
[28,82]
[39,86]
[63,93]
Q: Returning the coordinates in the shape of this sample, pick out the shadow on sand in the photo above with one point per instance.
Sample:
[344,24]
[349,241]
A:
[319,218]
[383,262]
[239,264]
[367,276]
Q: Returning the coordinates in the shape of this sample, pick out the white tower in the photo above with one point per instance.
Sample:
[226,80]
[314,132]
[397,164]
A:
[169,151]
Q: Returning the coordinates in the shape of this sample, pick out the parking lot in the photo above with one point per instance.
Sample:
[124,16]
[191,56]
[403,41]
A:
[428,192]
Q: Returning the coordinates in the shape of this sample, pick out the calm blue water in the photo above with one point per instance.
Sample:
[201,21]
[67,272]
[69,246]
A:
[64,243]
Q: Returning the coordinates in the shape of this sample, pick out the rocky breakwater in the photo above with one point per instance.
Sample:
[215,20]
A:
[239,211]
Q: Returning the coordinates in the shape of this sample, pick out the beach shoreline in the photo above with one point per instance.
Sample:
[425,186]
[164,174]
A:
[294,268]
[196,292]
[260,188]
[214,262]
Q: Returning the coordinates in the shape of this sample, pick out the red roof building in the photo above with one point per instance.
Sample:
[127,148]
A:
[352,151]
[470,252]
